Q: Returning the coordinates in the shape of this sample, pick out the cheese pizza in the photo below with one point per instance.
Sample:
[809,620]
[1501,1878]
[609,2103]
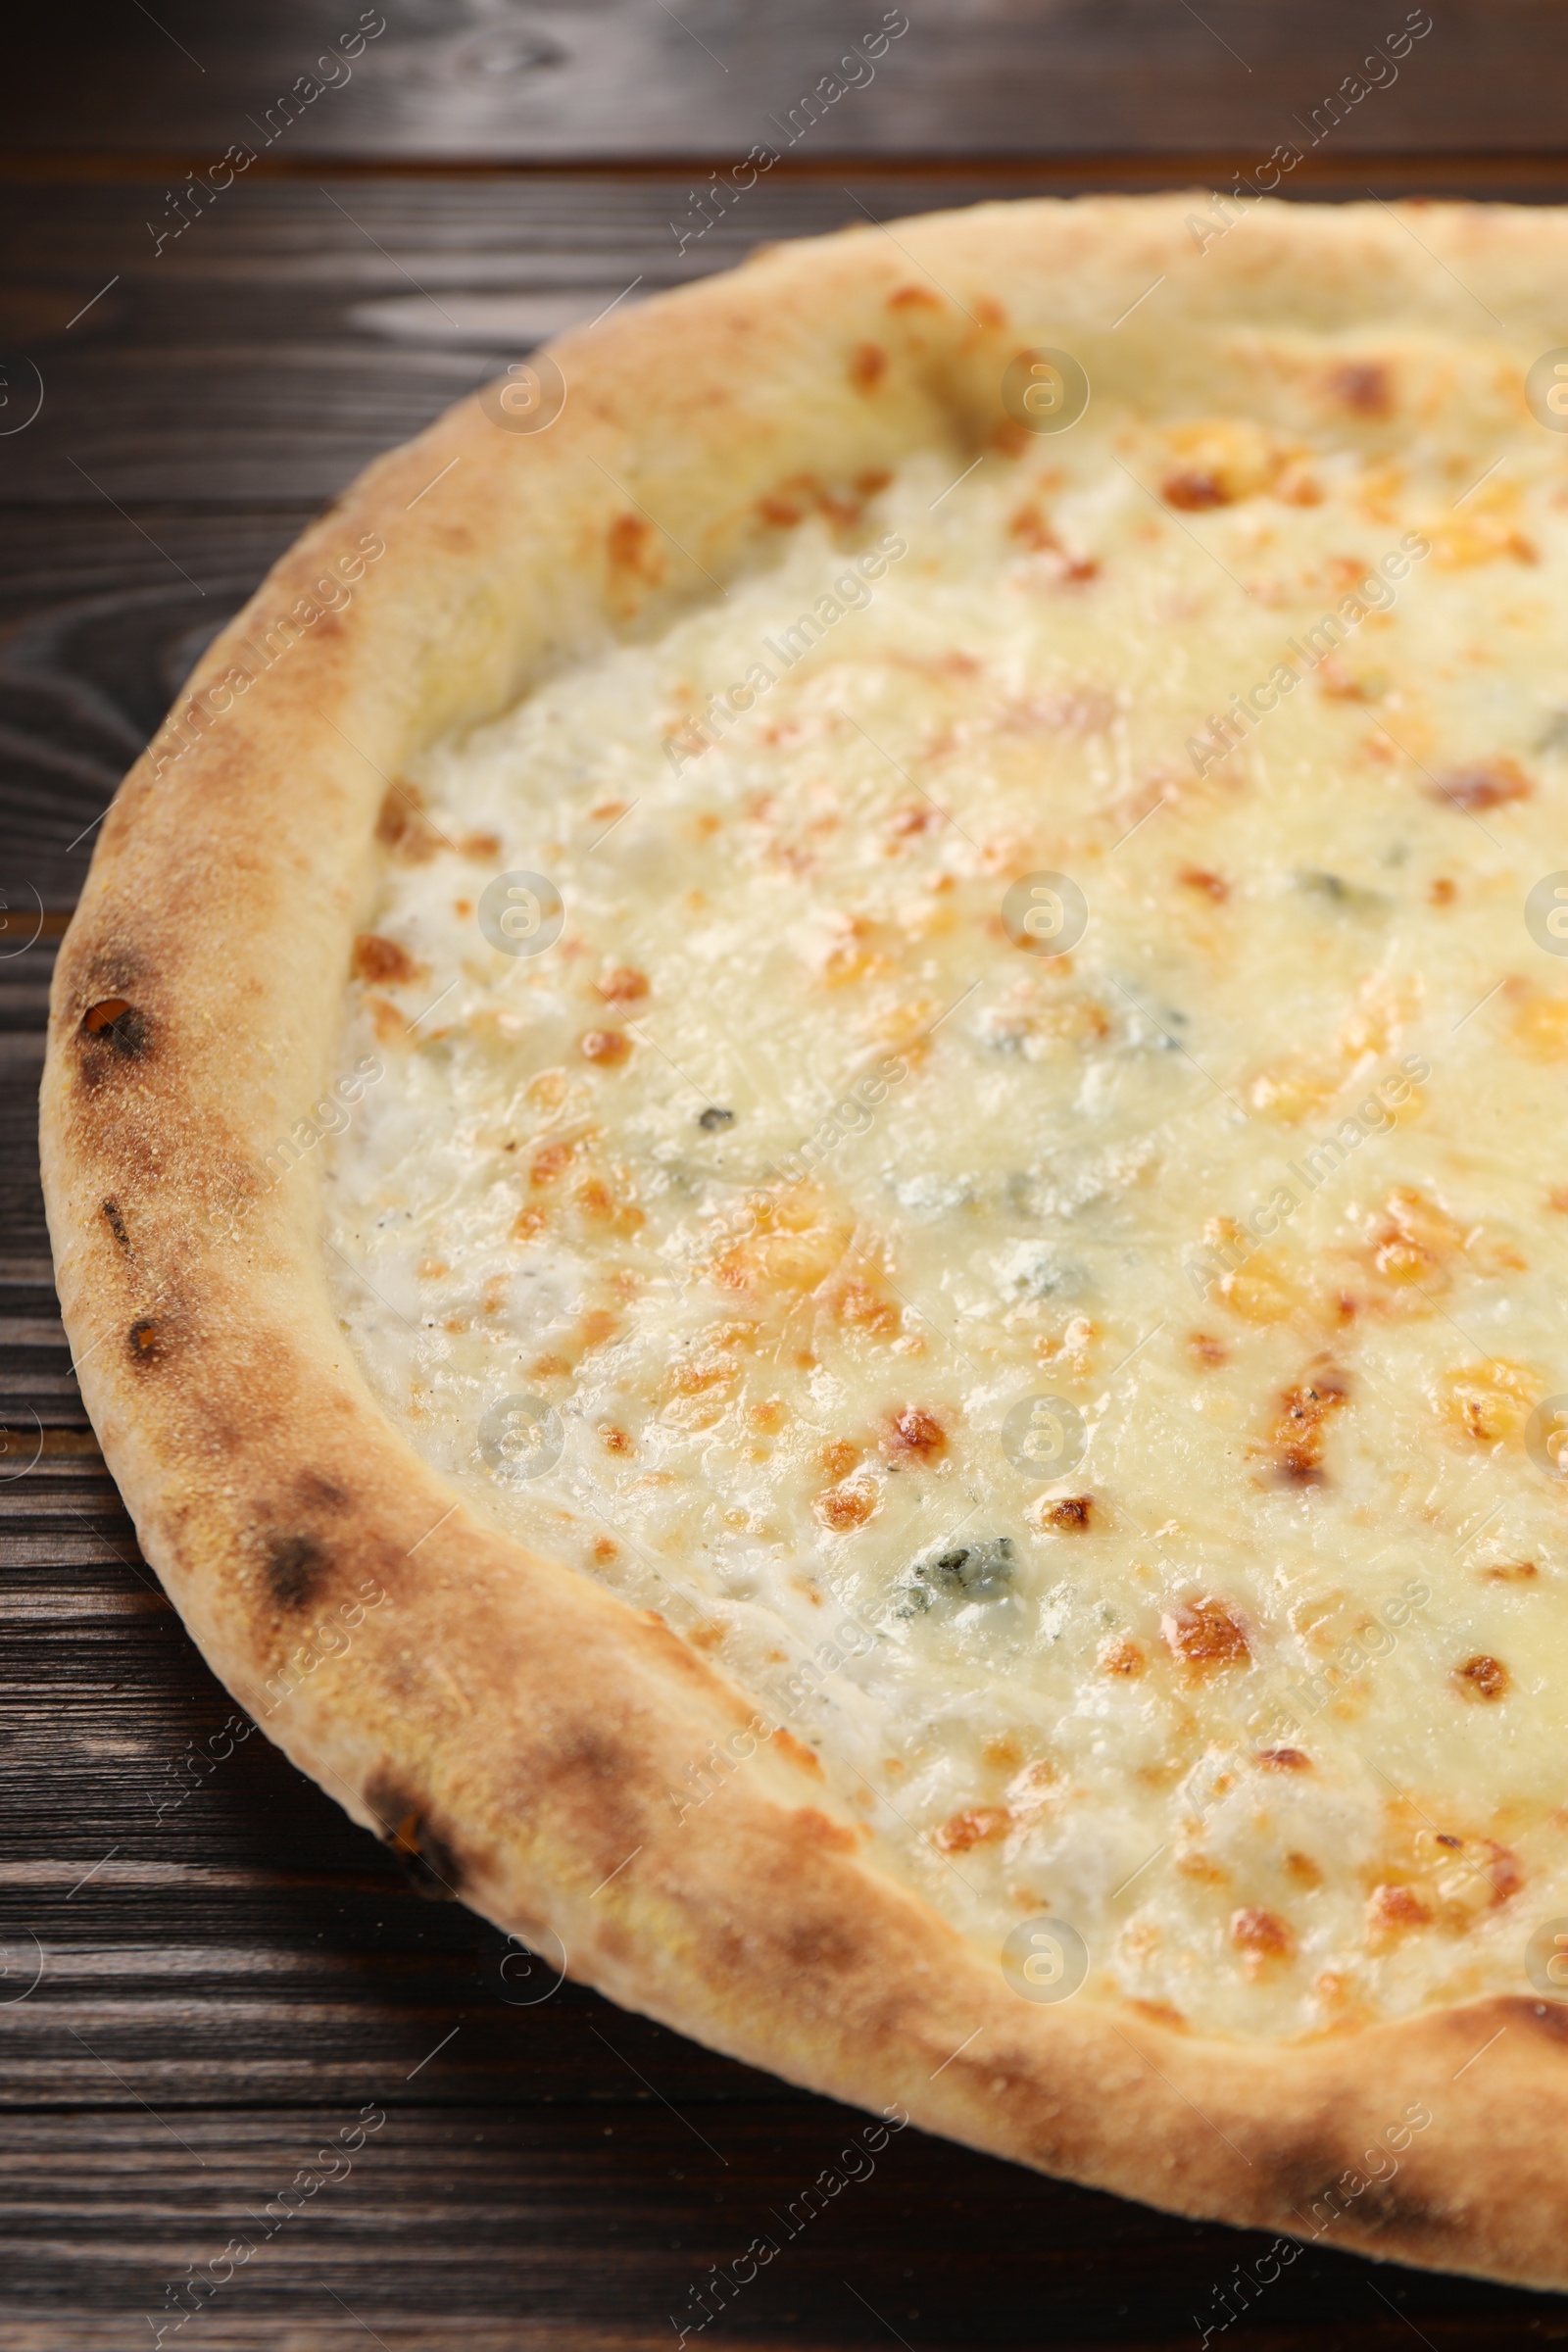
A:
[835,1115]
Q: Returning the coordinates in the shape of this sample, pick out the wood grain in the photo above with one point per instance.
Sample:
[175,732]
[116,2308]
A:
[227,1969]
[614,80]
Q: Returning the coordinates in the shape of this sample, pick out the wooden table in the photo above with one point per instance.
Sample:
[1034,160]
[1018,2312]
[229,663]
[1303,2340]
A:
[208,1972]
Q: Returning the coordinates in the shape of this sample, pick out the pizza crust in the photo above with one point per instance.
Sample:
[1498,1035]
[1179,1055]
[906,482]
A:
[513,1728]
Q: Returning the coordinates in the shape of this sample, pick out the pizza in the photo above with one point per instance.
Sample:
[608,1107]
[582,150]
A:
[804,1142]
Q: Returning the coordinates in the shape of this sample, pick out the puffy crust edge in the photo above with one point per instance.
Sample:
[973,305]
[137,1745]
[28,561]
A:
[507,1722]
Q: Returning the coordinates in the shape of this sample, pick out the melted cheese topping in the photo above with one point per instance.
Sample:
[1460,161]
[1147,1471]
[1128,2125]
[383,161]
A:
[786,1183]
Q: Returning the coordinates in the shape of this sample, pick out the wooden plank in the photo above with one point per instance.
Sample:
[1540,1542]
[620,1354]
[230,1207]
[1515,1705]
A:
[600,2226]
[631,78]
[308,326]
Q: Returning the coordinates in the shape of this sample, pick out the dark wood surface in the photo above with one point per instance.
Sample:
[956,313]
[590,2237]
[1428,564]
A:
[208,1972]
[609,81]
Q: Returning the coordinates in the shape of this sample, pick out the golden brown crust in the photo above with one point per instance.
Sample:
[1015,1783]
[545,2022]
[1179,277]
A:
[513,1728]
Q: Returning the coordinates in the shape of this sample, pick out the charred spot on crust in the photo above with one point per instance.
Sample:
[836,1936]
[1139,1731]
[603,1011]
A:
[295,1567]
[593,1776]
[116,1223]
[1318,2187]
[113,1030]
[109,1014]
[599,1760]
[144,1342]
[817,1946]
[431,1865]
[321,1493]
[1394,2211]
